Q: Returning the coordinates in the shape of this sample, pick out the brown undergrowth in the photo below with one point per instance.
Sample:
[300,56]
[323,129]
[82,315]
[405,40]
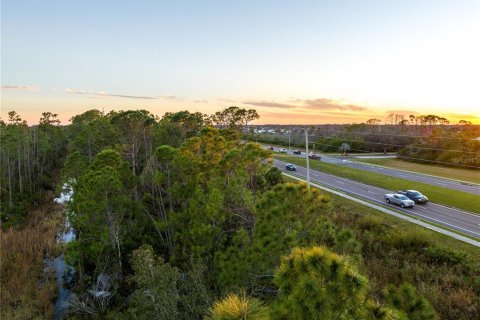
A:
[27,287]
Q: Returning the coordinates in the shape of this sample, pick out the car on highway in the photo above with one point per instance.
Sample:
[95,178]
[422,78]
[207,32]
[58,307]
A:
[314,156]
[399,199]
[297,152]
[414,195]
[291,167]
[270,148]
[283,150]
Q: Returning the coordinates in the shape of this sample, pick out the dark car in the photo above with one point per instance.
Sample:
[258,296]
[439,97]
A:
[414,195]
[314,156]
[270,148]
[291,167]
[297,152]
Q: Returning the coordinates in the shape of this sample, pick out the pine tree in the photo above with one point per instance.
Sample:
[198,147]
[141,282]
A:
[406,299]
[315,283]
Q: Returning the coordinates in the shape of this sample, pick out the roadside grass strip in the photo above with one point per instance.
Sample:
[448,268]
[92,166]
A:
[454,174]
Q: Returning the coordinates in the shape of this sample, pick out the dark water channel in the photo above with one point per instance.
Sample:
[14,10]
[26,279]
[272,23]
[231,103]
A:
[63,272]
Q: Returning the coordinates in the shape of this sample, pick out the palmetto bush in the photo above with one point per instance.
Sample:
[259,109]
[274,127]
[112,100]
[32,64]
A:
[238,307]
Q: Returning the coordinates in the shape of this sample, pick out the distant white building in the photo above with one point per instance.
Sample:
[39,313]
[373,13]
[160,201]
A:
[270,131]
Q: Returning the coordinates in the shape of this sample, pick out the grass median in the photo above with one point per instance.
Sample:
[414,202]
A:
[448,197]
[439,171]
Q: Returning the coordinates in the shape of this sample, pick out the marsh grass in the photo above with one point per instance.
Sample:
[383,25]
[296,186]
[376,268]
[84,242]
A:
[27,286]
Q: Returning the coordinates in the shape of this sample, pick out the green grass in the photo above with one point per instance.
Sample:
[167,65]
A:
[440,171]
[448,197]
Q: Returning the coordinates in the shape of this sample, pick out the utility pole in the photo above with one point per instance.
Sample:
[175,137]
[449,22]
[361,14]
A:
[288,138]
[308,160]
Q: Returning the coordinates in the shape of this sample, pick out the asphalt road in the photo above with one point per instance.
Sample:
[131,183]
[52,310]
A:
[413,176]
[451,218]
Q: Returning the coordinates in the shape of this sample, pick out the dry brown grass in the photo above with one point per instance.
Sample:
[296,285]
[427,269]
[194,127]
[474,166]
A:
[27,292]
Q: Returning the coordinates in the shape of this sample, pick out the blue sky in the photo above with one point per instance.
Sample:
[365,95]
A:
[276,56]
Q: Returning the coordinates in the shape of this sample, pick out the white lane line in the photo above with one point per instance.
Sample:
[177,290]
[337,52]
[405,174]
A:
[398,215]
[456,209]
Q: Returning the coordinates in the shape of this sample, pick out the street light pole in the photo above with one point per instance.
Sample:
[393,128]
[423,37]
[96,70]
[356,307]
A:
[288,138]
[308,160]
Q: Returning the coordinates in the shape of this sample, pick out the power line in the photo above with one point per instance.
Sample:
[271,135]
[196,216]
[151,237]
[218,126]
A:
[435,161]
[394,135]
[404,146]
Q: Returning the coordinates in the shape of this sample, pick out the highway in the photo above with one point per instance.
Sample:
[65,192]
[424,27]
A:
[450,218]
[413,176]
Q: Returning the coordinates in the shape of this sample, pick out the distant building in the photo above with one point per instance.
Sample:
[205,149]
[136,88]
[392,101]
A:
[269,131]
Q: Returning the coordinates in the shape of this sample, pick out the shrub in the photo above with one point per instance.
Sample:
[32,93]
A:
[442,255]
[410,240]
[238,307]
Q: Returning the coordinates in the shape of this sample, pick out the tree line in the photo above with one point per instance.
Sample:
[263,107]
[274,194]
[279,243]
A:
[424,139]
[30,157]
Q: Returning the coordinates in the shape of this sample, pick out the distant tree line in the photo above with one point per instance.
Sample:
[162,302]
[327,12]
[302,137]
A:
[429,139]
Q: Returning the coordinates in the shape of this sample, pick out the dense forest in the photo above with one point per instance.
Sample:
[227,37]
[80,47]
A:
[425,139]
[180,218]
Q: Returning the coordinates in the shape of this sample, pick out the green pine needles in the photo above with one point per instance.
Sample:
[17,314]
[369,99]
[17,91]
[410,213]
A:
[238,307]
[315,283]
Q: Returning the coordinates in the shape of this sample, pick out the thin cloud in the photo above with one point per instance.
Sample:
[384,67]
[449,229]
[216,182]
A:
[321,104]
[200,101]
[303,114]
[270,104]
[102,94]
[329,104]
[171,97]
[304,118]
[20,88]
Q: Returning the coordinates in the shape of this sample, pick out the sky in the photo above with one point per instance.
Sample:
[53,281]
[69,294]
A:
[296,62]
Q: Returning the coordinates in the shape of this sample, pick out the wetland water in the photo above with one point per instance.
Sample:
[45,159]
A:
[63,272]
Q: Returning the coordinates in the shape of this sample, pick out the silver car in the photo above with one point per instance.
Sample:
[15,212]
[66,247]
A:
[399,199]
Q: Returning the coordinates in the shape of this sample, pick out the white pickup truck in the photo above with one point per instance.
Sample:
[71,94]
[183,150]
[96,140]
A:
[399,199]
